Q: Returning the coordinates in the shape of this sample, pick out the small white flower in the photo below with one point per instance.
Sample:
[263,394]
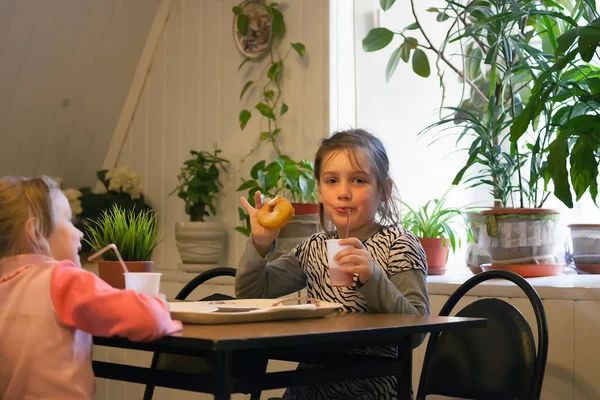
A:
[125,180]
[74,196]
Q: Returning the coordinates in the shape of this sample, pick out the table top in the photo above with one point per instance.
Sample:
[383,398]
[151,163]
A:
[364,328]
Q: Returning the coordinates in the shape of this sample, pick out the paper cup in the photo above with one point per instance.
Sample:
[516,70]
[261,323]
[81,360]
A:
[143,282]
[336,275]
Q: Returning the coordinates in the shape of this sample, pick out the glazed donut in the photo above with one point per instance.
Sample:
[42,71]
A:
[275,214]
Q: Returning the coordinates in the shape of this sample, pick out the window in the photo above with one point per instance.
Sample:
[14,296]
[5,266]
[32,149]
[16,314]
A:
[423,166]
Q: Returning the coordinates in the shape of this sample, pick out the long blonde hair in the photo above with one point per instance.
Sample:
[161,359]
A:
[20,199]
[351,140]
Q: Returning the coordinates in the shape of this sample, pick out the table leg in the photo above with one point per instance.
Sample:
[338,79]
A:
[405,376]
[223,372]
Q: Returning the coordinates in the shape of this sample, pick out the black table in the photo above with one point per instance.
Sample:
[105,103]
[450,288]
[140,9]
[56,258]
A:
[319,341]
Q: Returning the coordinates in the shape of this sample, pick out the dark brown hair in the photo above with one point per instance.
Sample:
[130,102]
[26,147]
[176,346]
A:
[351,140]
[20,199]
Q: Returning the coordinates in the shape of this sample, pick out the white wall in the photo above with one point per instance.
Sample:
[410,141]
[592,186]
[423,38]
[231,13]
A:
[65,68]
[191,101]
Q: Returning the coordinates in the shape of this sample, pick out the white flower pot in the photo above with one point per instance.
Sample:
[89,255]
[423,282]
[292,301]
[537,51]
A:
[200,242]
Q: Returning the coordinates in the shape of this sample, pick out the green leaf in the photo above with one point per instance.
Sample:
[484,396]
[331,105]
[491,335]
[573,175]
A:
[237,10]
[392,63]
[412,27]
[278,23]
[377,39]
[473,64]
[284,109]
[265,136]
[244,231]
[244,117]
[405,52]
[386,4]
[242,24]
[258,166]
[587,47]
[242,214]
[557,164]
[420,63]
[411,42]
[268,94]
[246,87]
[441,17]
[247,185]
[565,41]
[265,110]
[300,49]
[273,72]
[584,167]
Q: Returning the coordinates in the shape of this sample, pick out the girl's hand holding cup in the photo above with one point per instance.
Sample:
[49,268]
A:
[261,238]
[355,259]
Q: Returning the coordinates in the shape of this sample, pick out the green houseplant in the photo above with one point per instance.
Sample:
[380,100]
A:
[504,48]
[283,176]
[133,232]
[200,241]
[437,226]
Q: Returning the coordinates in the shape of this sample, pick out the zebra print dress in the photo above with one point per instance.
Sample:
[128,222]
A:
[394,250]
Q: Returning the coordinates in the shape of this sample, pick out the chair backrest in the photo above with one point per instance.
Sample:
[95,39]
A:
[498,361]
[203,277]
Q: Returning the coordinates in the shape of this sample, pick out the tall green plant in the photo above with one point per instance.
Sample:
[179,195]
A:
[504,46]
[133,232]
[565,104]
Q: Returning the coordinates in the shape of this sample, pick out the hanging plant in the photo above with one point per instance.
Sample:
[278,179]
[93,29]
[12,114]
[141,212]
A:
[259,30]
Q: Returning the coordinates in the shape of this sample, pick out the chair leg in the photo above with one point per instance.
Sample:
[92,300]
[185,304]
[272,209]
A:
[263,366]
[149,391]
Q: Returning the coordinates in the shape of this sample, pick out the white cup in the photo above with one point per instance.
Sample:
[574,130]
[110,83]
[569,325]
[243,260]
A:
[336,275]
[143,282]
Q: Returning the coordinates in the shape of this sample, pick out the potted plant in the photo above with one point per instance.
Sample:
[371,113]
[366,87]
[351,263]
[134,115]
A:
[121,185]
[435,225]
[200,241]
[505,51]
[294,180]
[134,232]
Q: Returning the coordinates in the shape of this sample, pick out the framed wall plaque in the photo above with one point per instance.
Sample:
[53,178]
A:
[259,35]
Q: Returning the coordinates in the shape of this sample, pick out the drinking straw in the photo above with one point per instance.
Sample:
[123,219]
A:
[106,248]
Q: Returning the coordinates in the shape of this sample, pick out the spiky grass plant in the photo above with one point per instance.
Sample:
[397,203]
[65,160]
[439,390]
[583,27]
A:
[133,232]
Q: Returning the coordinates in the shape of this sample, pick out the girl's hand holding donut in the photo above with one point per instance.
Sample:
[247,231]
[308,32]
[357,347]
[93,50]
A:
[356,259]
[266,219]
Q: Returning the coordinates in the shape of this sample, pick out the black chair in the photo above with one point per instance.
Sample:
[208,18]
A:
[498,361]
[197,364]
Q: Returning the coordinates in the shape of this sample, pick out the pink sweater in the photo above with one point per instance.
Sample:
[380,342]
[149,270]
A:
[48,314]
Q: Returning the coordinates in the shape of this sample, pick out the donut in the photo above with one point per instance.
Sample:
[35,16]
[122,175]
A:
[275,214]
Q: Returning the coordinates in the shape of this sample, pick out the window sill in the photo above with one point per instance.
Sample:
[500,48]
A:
[568,286]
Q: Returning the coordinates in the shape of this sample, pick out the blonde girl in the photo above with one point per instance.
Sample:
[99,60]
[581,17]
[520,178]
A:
[50,306]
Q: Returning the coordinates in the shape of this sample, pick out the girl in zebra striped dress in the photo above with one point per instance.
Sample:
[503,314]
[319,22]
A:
[388,262]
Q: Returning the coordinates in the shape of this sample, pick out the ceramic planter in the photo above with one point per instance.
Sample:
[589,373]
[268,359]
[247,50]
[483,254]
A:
[475,254]
[112,272]
[586,244]
[200,242]
[436,251]
[520,235]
